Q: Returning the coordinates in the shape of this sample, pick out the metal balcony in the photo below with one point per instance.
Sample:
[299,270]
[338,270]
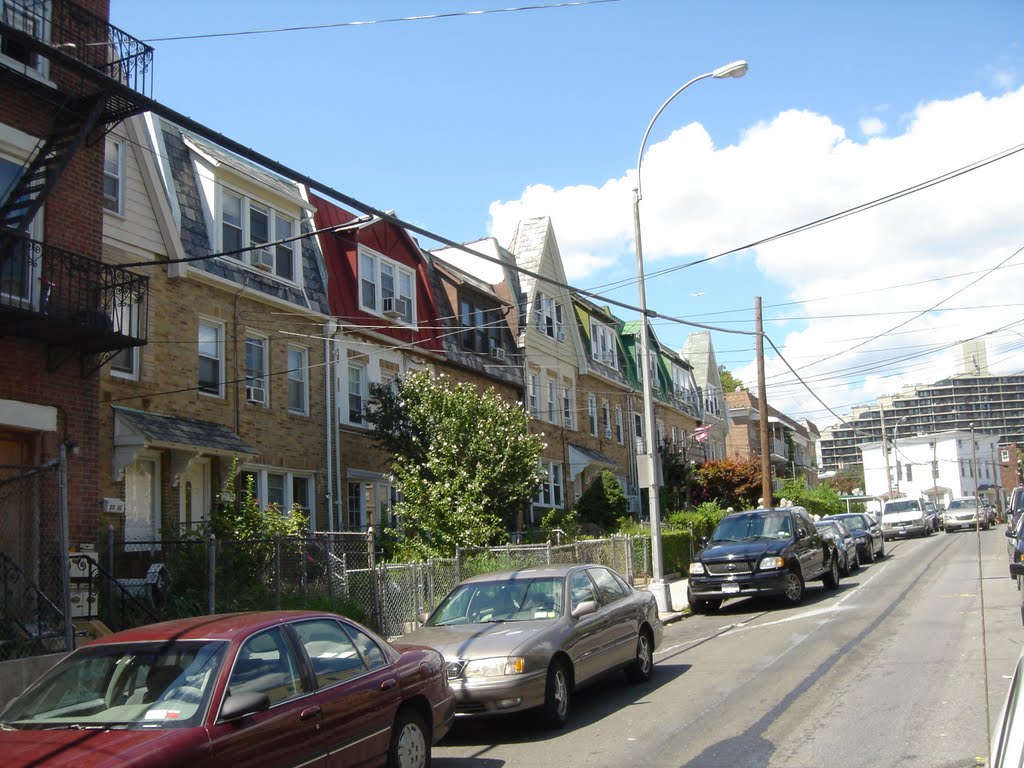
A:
[73,303]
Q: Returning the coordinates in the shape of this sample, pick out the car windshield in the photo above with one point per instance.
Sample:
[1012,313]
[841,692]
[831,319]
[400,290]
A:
[909,505]
[519,599]
[962,504]
[828,528]
[138,685]
[853,522]
[753,525]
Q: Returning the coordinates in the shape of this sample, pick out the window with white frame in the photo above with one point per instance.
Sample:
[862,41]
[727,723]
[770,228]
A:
[113,176]
[19,279]
[280,488]
[125,364]
[32,18]
[534,395]
[355,507]
[357,391]
[552,402]
[549,317]
[248,223]
[257,355]
[603,344]
[211,358]
[551,493]
[592,414]
[298,379]
[480,326]
[606,419]
[386,288]
[618,424]
[568,416]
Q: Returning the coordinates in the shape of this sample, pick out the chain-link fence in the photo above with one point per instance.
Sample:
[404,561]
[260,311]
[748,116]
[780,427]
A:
[33,563]
[336,572]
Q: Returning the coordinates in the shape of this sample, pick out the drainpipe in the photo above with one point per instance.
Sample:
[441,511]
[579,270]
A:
[330,329]
[235,356]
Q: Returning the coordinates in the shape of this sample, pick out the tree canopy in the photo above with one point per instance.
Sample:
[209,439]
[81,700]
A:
[729,382]
[463,461]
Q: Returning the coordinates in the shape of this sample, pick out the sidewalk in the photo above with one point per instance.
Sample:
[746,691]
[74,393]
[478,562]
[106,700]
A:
[680,605]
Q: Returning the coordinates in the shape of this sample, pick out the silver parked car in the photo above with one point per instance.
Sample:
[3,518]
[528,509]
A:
[965,512]
[528,639]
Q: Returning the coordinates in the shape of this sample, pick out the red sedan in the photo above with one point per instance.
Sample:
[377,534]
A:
[279,688]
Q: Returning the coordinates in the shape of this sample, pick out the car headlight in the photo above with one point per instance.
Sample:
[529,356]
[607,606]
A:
[496,667]
[770,563]
[861,539]
[696,569]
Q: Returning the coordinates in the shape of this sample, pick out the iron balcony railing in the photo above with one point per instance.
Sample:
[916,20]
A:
[67,27]
[65,298]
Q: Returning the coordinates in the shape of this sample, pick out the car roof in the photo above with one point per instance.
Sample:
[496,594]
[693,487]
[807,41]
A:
[794,508]
[224,626]
[533,572]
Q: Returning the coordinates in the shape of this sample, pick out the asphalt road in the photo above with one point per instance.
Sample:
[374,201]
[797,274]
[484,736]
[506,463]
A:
[897,667]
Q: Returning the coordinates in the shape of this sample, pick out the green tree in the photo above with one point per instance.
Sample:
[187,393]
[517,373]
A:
[728,482]
[603,502]
[676,475]
[848,479]
[464,462]
[729,382]
[822,500]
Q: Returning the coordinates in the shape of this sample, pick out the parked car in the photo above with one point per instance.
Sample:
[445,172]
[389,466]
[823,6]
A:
[866,532]
[529,639]
[1015,549]
[761,552]
[1007,746]
[1016,505]
[843,541]
[276,688]
[905,517]
[965,512]
[934,518]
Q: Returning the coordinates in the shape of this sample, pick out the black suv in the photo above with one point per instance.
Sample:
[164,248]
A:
[761,552]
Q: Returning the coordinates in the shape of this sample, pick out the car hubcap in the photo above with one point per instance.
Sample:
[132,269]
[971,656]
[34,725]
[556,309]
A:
[412,747]
[561,693]
[643,654]
[793,590]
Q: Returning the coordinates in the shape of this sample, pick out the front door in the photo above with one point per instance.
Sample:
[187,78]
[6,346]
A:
[194,495]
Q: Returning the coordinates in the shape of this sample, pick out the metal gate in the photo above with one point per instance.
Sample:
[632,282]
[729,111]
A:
[34,564]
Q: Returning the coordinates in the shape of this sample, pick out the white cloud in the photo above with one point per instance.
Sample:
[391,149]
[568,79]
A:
[796,168]
[872,126]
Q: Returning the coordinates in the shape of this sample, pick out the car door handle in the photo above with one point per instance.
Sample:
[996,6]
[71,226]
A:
[387,685]
[309,713]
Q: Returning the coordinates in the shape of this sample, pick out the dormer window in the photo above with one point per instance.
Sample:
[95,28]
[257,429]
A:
[549,317]
[480,326]
[247,223]
[603,345]
[386,288]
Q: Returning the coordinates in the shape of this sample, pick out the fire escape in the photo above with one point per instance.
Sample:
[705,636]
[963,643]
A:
[91,76]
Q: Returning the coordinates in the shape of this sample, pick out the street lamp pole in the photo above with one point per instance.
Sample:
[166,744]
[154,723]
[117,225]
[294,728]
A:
[647,463]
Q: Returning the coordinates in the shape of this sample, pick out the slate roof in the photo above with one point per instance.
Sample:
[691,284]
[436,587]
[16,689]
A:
[191,433]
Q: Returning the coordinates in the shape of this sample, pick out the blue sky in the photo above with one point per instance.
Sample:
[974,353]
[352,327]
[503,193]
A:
[464,124]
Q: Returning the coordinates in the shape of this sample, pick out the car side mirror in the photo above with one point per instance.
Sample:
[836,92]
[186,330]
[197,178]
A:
[1009,532]
[584,609]
[801,533]
[238,705]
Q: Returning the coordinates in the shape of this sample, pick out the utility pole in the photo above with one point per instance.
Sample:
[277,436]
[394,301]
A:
[766,459]
[885,450]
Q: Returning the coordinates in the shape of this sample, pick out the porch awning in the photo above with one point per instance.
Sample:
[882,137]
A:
[187,439]
[580,458]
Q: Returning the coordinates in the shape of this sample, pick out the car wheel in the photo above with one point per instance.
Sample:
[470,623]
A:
[949,530]
[831,577]
[555,710]
[856,560]
[410,741]
[704,606]
[794,588]
[871,551]
[643,665]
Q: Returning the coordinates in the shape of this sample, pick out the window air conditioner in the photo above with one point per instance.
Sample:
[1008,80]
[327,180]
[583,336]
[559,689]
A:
[560,336]
[256,394]
[263,259]
[498,353]
[391,306]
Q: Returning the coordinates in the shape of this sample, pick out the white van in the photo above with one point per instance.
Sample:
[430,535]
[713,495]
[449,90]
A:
[905,517]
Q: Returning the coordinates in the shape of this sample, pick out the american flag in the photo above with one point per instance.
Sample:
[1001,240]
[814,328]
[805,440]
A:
[700,434]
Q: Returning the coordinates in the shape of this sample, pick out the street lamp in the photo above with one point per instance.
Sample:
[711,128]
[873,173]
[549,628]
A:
[646,464]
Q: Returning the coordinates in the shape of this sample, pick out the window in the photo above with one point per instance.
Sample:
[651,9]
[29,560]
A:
[267,664]
[386,288]
[125,364]
[549,317]
[480,327]
[534,395]
[19,278]
[357,388]
[211,358]
[567,409]
[592,414]
[618,424]
[606,418]
[113,176]
[256,356]
[603,347]
[552,402]
[550,494]
[245,223]
[30,18]
[355,507]
[281,488]
[298,383]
